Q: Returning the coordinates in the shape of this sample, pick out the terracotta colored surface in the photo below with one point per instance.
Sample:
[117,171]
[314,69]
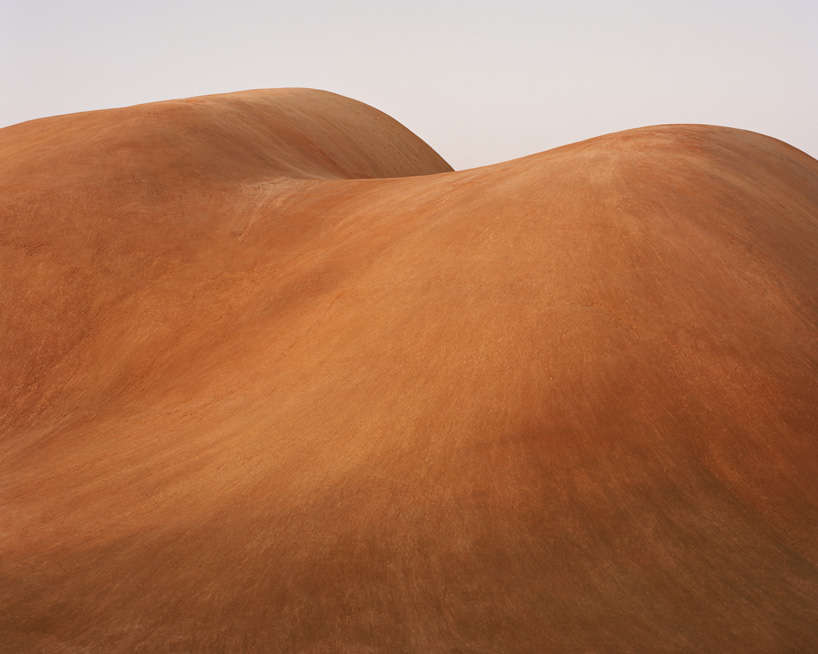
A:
[253,402]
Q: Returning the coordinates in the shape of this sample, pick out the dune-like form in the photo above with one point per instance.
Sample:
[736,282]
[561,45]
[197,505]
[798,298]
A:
[273,378]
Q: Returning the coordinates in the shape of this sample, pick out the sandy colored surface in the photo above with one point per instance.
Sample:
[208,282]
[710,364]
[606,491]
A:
[254,399]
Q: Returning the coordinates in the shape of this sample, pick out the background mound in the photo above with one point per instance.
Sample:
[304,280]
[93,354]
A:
[219,138]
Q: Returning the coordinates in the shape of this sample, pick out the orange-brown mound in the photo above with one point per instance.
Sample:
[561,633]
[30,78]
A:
[248,136]
[563,403]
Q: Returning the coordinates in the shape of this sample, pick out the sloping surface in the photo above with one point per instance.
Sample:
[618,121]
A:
[252,400]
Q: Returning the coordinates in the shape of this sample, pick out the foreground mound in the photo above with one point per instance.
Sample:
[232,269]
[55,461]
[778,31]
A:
[253,402]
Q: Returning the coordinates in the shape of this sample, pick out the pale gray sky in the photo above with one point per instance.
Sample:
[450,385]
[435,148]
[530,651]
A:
[481,81]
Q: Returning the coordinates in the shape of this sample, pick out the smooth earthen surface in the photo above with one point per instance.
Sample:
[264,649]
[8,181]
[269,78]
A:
[274,379]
